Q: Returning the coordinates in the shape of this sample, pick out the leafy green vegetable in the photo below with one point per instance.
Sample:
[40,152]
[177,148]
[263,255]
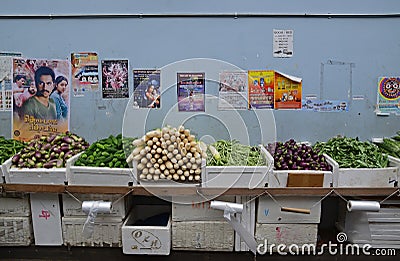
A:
[232,153]
[352,153]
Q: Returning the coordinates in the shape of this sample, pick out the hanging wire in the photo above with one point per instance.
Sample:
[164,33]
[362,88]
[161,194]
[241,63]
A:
[396,191]
[77,199]
[126,194]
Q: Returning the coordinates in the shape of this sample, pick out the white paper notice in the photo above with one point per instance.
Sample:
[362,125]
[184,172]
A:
[283,43]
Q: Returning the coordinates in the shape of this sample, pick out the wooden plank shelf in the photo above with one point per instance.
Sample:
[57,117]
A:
[177,191]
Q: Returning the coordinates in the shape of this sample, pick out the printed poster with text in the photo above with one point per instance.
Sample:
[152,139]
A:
[261,89]
[146,88]
[233,91]
[41,100]
[287,91]
[115,79]
[191,91]
[6,60]
[85,73]
[389,95]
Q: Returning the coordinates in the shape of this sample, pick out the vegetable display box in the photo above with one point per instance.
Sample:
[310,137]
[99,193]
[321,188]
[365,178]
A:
[4,168]
[238,176]
[99,176]
[53,176]
[368,177]
[303,178]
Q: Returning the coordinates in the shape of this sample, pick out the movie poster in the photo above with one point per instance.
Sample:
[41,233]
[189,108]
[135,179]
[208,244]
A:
[191,91]
[261,89]
[115,79]
[41,100]
[233,91]
[389,95]
[85,73]
[146,88]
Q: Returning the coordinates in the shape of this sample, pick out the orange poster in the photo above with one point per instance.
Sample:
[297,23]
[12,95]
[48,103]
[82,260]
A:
[287,91]
[261,89]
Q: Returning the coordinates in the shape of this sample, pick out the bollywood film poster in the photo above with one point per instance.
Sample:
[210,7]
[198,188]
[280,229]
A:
[233,90]
[261,89]
[191,91]
[41,100]
[146,88]
[114,79]
[85,73]
[389,95]
[287,92]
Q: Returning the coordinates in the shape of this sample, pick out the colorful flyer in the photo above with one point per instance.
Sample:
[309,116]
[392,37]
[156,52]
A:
[233,91]
[85,73]
[261,89]
[287,91]
[389,95]
[325,105]
[191,91]
[41,101]
[146,88]
[115,79]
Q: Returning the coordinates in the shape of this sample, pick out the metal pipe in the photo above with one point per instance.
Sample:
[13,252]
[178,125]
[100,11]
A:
[198,15]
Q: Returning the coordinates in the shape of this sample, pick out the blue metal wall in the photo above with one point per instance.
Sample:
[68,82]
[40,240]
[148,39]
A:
[370,43]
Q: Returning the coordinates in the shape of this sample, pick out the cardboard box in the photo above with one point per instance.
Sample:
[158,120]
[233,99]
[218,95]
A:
[202,235]
[99,176]
[46,219]
[152,238]
[269,212]
[106,232]
[238,176]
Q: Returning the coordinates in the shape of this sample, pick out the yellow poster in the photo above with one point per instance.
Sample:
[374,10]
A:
[261,89]
[41,100]
[287,91]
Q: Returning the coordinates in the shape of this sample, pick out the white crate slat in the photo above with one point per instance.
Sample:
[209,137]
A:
[53,176]
[368,177]
[247,219]
[202,235]
[15,231]
[98,176]
[269,211]
[106,232]
[238,176]
[15,206]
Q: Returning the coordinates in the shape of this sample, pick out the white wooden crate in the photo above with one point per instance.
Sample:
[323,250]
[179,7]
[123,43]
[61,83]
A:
[269,211]
[53,176]
[379,229]
[247,219]
[151,239]
[196,208]
[202,235]
[15,231]
[279,178]
[5,168]
[15,206]
[368,177]
[239,176]
[73,208]
[286,234]
[106,232]
[98,176]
